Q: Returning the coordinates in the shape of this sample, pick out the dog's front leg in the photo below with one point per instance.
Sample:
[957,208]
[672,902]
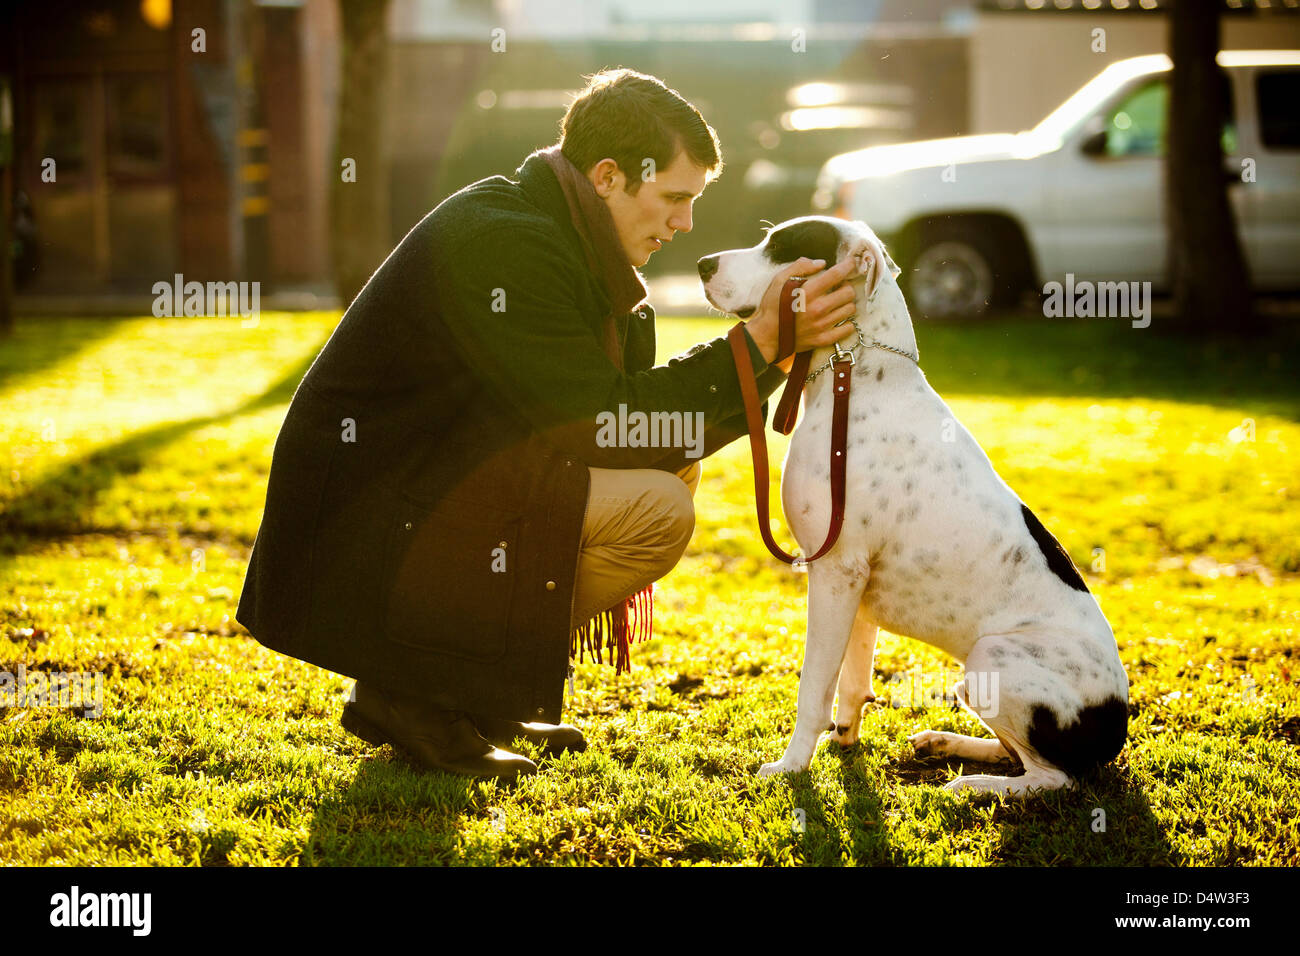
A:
[855,687]
[833,596]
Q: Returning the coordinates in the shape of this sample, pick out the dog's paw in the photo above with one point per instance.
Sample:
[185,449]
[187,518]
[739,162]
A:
[847,726]
[929,743]
[846,735]
[980,783]
[1010,786]
[780,767]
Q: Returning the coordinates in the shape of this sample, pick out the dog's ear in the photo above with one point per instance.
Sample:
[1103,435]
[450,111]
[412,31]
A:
[872,258]
[893,266]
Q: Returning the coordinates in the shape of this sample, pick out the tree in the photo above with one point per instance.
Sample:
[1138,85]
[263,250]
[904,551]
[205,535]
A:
[359,194]
[1207,271]
[8,151]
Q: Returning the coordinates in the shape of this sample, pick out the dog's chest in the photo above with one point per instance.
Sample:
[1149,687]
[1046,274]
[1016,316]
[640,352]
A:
[899,467]
[923,505]
[902,446]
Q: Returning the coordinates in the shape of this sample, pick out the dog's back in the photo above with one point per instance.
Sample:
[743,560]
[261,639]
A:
[934,546]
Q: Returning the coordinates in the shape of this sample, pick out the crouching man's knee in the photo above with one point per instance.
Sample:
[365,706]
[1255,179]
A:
[674,507]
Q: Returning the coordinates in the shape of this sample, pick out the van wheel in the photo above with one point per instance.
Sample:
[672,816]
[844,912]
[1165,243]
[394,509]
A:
[954,274]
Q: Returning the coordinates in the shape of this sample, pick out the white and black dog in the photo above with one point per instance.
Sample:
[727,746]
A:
[934,546]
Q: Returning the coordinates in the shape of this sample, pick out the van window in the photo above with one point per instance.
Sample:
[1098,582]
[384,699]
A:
[1279,120]
[1138,125]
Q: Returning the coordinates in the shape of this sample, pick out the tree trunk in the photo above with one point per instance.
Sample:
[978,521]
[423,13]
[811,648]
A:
[1207,271]
[8,160]
[359,210]
[6,249]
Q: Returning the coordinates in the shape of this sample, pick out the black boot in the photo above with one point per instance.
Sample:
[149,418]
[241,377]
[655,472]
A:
[434,739]
[552,738]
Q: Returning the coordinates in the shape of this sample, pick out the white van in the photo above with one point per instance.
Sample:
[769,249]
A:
[976,220]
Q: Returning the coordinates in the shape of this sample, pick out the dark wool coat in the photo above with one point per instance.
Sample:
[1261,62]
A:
[443,432]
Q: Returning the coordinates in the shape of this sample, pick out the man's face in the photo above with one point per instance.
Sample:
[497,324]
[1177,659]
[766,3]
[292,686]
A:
[661,207]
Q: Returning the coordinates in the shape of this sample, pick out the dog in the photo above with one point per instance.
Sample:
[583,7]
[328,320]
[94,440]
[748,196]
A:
[934,546]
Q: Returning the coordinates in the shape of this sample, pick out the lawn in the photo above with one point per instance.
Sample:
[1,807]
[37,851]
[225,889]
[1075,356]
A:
[133,465]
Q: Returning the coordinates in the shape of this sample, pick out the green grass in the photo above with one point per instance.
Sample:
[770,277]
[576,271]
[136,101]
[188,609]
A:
[133,465]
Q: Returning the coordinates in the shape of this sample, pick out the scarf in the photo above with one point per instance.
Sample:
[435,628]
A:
[630,619]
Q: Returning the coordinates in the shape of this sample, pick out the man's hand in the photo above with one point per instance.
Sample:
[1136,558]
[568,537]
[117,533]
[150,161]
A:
[828,301]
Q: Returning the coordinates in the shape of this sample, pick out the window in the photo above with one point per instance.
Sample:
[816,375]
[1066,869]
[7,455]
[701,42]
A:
[137,125]
[1279,120]
[62,118]
[1138,126]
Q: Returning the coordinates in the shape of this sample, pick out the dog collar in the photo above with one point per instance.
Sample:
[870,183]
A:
[852,350]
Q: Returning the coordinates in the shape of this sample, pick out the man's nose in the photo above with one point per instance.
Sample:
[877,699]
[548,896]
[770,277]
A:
[708,266]
[682,222]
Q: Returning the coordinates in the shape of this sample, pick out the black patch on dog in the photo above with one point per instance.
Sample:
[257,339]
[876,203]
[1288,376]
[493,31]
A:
[1057,560]
[814,240]
[1094,738]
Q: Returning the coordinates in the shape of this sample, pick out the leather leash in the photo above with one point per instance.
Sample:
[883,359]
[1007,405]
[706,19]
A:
[787,411]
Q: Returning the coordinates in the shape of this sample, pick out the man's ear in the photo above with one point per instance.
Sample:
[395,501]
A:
[871,257]
[606,177]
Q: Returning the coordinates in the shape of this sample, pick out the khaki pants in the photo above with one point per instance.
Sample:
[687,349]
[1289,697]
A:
[638,523]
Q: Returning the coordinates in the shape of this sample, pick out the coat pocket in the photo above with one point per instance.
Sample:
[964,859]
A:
[450,578]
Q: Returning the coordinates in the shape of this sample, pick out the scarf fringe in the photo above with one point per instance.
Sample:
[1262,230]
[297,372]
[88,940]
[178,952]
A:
[616,629]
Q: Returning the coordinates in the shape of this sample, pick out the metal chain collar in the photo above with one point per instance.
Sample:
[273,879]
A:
[840,352]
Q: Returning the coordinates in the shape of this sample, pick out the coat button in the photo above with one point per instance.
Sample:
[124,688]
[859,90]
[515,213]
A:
[713,388]
[502,544]
[408,526]
[550,585]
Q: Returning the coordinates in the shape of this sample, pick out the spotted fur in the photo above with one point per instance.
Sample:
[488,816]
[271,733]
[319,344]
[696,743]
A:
[934,546]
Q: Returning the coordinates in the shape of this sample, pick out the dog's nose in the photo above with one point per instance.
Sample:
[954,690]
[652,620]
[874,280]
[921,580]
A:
[708,265]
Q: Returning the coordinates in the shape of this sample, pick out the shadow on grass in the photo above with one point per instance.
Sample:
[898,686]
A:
[54,507]
[39,344]
[392,811]
[864,808]
[1105,820]
[1028,356]
[863,839]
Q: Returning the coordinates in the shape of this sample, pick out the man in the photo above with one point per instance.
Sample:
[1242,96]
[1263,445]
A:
[442,519]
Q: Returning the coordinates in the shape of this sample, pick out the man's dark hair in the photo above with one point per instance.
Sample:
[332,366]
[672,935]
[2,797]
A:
[630,117]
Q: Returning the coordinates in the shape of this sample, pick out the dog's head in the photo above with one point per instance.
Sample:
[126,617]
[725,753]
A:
[735,280]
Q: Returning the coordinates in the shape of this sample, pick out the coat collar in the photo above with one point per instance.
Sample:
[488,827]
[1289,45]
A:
[539,182]
[541,187]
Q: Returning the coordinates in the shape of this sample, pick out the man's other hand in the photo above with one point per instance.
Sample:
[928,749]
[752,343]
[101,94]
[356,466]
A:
[828,300]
